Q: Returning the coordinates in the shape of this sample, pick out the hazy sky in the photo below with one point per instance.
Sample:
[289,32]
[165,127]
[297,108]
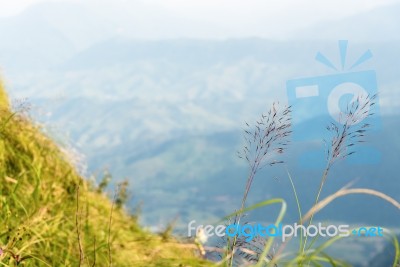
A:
[232,9]
[230,18]
[212,8]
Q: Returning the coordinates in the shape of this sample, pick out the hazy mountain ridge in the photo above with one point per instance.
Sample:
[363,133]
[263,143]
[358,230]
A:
[137,114]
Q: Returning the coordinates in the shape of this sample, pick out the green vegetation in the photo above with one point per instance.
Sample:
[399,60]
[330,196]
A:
[51,216]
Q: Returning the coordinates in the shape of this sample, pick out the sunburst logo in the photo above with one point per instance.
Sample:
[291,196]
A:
[343,44]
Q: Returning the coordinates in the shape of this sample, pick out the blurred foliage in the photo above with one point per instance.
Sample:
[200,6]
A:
[47,221]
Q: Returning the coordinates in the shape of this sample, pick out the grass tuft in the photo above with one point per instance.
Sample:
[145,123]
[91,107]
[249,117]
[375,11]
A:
[51,216]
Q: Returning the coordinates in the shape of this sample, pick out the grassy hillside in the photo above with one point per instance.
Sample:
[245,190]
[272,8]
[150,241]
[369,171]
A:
[50,216]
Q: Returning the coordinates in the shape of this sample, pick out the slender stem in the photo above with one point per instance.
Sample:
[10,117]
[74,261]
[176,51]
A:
[94,252]
[323,179]
[239,214]
[77,224]
[109,229]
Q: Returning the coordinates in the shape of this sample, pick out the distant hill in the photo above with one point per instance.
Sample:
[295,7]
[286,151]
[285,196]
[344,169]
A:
[385,258]
[47,34]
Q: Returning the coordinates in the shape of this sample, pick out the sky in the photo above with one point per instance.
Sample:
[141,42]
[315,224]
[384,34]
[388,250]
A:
[235,18]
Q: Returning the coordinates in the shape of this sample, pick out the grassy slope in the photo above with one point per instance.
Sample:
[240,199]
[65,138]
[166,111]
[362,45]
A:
[38,200]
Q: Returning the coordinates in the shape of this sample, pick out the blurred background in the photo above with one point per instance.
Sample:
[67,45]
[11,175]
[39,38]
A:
[158,91]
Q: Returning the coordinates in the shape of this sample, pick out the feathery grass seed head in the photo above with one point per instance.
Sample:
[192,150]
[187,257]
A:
[267,139]
[349,130]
